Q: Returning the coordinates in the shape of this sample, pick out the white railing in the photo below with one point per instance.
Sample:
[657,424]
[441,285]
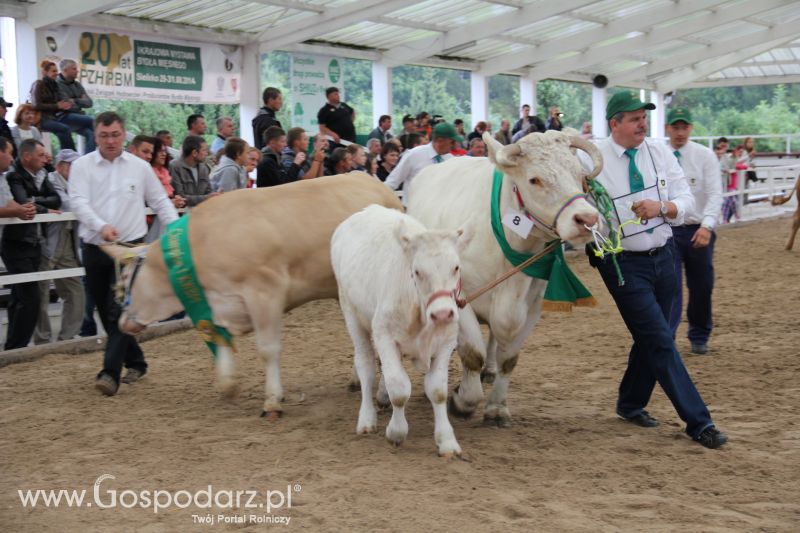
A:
[787,139]
[13,279]
[772,181]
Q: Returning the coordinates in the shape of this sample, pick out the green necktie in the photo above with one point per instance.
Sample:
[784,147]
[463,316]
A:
[678,157]
[635,177]
[438,159]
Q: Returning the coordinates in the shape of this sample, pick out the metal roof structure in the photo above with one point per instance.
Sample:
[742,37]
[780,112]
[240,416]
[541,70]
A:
[653,44]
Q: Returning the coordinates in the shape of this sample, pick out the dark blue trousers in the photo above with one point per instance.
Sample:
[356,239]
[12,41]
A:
[645,301]
[699,266]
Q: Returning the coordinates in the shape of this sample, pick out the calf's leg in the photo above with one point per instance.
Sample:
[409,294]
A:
[225,372]
[364,363]
[795,227]
[436,391]
[397,385]
[267,314]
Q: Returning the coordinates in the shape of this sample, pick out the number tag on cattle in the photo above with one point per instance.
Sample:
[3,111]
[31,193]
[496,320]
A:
[518,222]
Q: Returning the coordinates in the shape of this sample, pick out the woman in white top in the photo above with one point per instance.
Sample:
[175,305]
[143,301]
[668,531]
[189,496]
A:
[26,119]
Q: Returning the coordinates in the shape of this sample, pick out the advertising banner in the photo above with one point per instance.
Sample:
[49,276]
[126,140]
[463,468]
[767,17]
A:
[137,67]
[311,75]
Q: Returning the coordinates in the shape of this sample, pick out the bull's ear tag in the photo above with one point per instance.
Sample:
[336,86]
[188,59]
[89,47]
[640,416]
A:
[518,222]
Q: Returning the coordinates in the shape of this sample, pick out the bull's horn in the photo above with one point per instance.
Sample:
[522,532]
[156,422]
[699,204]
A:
[588,147]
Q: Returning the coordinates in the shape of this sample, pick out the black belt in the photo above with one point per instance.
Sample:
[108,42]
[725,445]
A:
[132,241]
[647,253]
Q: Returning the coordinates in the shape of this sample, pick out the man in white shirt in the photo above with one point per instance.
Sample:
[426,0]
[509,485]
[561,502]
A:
[413,161]
[694,240]
[108,190]
[645,180]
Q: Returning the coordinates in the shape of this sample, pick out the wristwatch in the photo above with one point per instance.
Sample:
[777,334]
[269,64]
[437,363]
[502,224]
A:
[664,208]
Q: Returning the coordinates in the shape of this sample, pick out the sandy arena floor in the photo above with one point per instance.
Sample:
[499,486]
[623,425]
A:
[568,464]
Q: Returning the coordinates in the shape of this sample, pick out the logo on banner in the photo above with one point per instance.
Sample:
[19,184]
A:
[334,71]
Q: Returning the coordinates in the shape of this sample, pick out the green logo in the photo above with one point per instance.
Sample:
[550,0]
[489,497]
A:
[334,70]
[298,109]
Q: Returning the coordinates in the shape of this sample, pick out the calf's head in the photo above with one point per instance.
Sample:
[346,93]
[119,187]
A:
[433,257]
[143,286]
[549,179]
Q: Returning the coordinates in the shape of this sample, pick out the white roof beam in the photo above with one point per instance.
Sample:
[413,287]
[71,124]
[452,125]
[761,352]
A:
[14,10]
[413,51]
[332,19]
[291,4]
[622,26]
[53,12]
[704,68]
[656,36]
[719,48]
[165,29]
[391,21]
[736,82]
[512,3]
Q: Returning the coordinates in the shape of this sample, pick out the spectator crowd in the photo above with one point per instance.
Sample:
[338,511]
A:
[35,181]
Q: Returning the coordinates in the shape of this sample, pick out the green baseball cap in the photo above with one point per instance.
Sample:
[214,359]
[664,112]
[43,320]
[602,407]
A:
[625,101]
[679,114]
[446,131]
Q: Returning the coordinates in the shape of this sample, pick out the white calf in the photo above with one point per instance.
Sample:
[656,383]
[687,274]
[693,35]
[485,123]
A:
[397,286]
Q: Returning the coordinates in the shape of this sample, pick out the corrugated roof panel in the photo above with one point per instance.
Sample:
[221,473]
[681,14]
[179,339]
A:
[771,70]
[780,15]
[791,69]
[614,9]
[551,28]
[486,49]
[727,31]
[375,35]
[783,54]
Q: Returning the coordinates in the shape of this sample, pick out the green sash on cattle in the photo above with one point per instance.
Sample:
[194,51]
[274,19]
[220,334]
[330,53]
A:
[564,289]
[183,277]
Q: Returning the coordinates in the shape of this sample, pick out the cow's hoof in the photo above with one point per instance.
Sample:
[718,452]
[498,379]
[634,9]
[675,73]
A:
[457,411]
[396,438]
[487,377]
[271,416]
[497,421]
[367,429]
[230,390]
[354,386]
[449,456]
[383,401]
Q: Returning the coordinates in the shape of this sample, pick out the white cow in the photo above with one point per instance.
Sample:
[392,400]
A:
[547,176]
[397,288]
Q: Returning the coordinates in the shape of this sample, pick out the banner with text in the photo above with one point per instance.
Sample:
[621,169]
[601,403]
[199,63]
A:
[137,67]
[311,75]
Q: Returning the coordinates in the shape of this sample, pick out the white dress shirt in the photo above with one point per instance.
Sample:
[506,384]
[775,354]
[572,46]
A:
[701,167]
[412,162]
[114,192]
[652,159]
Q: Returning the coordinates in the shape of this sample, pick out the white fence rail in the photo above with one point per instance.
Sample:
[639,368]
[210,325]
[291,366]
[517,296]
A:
[772,181]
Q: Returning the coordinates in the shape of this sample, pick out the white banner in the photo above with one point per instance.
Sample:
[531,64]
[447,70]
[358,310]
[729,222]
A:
[311,75]
[140,67]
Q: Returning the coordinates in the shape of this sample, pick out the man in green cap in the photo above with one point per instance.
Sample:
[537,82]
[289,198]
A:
[646,184]
[444,139]
[694,240]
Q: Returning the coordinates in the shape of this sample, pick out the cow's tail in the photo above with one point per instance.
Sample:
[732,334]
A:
[779,200]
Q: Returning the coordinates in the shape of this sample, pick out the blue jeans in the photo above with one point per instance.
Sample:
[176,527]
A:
[82,125]
[700,281]
[645,302]
[62,131]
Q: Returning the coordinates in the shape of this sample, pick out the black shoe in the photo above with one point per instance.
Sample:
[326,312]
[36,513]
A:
[699,349]
[711,438]
[643,419]
[133,375]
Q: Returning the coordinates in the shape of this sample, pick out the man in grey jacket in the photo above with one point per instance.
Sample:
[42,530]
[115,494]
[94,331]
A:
[190,173]
[60,251]
[71,90]
[230,174]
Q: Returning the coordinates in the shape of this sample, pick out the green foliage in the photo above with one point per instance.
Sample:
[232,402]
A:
[435,90]
[149,117]
[572,99]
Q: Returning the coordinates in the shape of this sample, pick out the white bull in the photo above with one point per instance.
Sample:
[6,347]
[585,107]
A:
[548,176]
[397,289]
[258,253]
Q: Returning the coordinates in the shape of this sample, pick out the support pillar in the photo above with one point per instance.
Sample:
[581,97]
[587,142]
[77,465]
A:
[479,91]
[657,120]
[250,92]
[527,94]
[599,123]
[381,91]
[18,45]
